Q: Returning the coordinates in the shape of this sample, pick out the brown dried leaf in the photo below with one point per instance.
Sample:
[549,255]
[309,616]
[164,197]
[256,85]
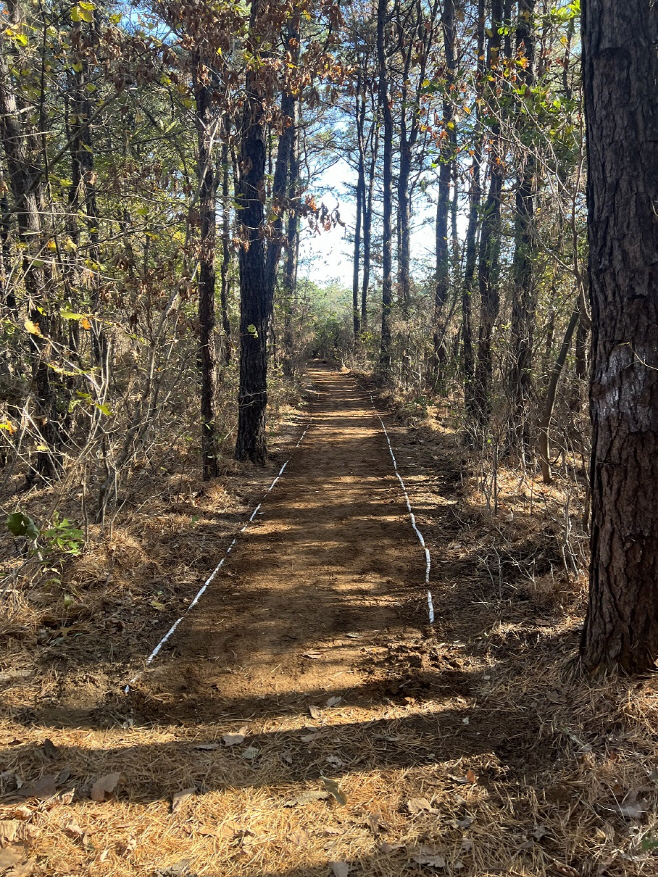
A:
[307,798]
[340,869]
[12,856]
[104,786]
[471,777]
[427,856]
[419,805]
[377,823]
[232,739]
[299,837]
[386,847]
[564,870]
[211,747]
[9,830]
[45,787]
[179,798]
[74,830]
[315,711]
[49,749]
[333,787]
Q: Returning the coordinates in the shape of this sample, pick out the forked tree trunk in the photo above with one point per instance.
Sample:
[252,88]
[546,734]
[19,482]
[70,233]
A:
[620,71]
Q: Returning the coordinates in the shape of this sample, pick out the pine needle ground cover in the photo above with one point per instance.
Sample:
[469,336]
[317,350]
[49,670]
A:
[305,720]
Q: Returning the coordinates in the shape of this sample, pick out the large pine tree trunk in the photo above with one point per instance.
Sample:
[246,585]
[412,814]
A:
[620,70]
[255,305]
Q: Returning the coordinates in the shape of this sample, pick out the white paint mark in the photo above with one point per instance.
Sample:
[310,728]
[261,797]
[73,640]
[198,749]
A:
[412,517]
[204,587]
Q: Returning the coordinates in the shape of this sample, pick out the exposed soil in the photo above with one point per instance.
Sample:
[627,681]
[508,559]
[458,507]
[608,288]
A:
[363,740]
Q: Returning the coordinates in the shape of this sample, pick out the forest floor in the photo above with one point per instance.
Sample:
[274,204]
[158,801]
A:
[305,719]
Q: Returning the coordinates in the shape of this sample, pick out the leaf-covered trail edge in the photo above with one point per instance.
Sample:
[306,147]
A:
[305,716]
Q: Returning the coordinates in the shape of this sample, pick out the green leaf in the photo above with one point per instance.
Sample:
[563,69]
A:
[19,524]
[252,330]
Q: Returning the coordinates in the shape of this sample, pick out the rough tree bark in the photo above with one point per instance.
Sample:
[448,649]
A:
[255,305]
[620,74]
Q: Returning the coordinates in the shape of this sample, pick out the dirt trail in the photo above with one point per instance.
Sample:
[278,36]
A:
[315,587]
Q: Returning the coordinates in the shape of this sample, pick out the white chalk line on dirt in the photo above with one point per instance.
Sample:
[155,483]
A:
[428,560]
[211,577]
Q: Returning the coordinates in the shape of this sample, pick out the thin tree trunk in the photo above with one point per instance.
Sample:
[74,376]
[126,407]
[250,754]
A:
[360,114]
[206,124]
[22,173]
[225,271]
[404,218]
[445,175]
[620,69]
[474,199]
[489,250]
[387,199]
[524,301]
[292,256]
[367,228]
[551,394]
